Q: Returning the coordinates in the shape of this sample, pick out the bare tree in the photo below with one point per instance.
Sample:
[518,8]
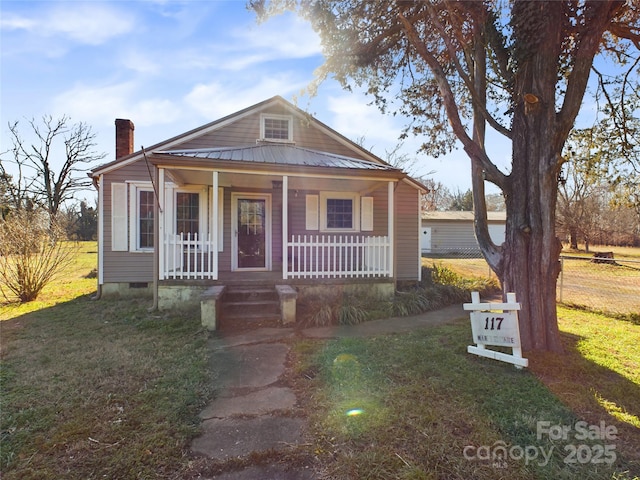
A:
[49,170]
[32,253]
[579,188]
[437,198]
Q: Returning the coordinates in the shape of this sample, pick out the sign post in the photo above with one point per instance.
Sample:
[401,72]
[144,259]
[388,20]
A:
[496,324]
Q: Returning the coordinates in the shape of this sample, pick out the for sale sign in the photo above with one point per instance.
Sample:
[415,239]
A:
[496,324]
[490,328]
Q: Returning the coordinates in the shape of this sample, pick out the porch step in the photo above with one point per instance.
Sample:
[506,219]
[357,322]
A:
[246,306]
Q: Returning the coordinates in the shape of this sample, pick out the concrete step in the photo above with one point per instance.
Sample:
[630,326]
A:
[250,304]
[235,294]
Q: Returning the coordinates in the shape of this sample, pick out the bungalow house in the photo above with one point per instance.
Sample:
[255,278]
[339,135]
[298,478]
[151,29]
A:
[267,196]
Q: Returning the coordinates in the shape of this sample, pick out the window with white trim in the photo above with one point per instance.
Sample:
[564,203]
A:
[146,208]
[339,212]
[141,216]
[276,128]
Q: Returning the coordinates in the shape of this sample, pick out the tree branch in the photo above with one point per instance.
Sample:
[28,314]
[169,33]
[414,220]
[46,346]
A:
[475,151]
[590,36]
[464,76]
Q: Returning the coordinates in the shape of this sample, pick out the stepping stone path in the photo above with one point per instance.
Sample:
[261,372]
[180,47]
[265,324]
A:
[252,411]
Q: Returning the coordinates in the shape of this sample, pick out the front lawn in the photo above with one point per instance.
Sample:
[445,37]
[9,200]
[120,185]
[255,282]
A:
[100,389]
[419,407]
[107,389]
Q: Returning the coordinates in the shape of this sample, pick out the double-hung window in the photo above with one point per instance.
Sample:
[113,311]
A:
[339,211]
[187,213]
[146,207]
[142,203]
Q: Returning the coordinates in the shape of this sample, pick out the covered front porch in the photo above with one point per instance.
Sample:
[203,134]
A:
[303,216]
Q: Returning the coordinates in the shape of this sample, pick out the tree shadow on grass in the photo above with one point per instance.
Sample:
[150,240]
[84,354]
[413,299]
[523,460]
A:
[593,392]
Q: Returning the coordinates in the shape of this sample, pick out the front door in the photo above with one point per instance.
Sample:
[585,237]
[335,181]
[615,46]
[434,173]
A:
[252,227]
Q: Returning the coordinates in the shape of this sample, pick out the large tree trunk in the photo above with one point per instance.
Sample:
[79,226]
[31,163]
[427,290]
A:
[573,235]
[531,250]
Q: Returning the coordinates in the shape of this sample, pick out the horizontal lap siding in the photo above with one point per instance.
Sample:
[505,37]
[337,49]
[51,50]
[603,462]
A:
[124,266]
[297,211]
[246,131]
[406,226]
[452,235]
[242,132]
[224,258]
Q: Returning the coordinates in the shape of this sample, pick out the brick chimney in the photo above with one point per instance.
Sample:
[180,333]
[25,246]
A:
[124,137]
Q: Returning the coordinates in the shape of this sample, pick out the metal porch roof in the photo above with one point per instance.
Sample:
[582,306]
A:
[279,154]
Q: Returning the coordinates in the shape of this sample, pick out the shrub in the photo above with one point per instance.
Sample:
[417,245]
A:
[334,309]
[32,252]
[440,287]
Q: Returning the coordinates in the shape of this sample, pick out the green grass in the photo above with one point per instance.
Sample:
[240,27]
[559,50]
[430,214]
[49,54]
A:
[107,389]
[406,406]
[98,389]
[599,376]
[76,280]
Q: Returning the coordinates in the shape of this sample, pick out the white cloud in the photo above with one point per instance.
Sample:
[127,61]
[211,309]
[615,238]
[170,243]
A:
[86,23]
[215,100]
[354,118]
[141,62]
[286,37]
[101,105]
[11,21]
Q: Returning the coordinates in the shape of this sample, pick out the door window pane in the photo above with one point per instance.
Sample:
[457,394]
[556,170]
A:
[251,233]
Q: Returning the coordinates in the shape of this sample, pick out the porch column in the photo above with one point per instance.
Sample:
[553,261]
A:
[160,239]
[100,233]
[419,235]
[214,227]
[390,225]
[285,226]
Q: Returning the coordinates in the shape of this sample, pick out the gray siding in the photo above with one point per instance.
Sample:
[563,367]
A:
[124,266]
[459,236]
[246,131]
[452,235]
[407,209]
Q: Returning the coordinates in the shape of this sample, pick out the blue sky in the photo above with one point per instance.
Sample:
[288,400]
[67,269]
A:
[173,66]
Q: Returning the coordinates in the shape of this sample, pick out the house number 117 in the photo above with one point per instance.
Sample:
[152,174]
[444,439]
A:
[495,324]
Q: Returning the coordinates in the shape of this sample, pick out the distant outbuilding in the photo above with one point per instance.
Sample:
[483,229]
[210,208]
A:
[452,232]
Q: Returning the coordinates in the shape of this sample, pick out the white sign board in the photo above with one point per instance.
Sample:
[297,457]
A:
[496,324]
[491,328]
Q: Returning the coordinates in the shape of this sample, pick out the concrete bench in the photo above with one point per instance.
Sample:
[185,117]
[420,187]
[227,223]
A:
[288,297]
[210,305]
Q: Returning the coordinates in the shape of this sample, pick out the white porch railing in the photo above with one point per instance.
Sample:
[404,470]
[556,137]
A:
[188,257]
[309,256]
[338,256]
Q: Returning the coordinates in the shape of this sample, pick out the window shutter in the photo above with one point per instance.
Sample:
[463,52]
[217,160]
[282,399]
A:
[366,213]
[312,212]
[119,217]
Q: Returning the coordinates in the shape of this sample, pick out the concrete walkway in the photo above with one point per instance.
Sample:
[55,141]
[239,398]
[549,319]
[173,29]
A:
[255,411]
